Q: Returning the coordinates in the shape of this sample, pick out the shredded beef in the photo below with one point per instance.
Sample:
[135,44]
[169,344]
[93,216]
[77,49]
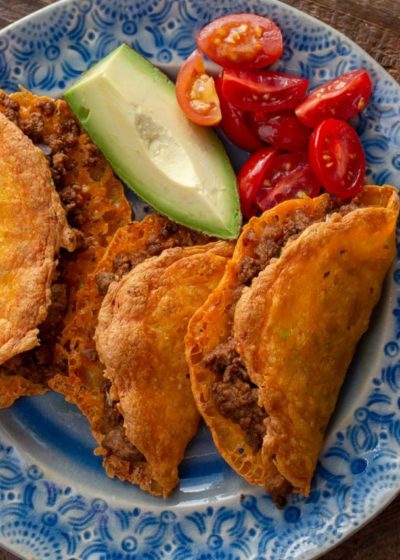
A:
[116,441]
[103,280]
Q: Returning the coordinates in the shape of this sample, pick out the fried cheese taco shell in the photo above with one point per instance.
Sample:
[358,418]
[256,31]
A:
[84,384]
[267,361]
[95,204]
[140,340]
[33,227]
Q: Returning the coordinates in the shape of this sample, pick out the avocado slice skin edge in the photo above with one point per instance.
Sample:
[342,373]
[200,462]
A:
[129,109]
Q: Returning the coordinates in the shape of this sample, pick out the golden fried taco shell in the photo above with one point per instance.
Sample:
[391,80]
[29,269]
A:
[85,385]
[33,227]
[293,332]
[96,206]
[140,340]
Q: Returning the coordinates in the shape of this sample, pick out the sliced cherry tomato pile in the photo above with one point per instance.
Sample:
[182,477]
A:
[301,142]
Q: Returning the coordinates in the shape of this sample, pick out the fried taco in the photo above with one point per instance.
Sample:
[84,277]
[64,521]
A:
[140,340]
[84,383]
[33,228]
[95,204]
[269,349]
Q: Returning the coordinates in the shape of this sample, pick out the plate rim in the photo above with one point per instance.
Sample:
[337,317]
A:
[61,5]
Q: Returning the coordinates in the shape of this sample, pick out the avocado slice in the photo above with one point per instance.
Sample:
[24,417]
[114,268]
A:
[129,109]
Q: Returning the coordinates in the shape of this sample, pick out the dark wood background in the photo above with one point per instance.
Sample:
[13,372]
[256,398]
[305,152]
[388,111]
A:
[375,26]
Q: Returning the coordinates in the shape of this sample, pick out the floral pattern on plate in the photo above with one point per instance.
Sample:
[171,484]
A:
[62,515]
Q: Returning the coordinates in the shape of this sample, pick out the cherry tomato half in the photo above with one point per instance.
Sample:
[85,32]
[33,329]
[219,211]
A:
[287,176]
[283,130]
[234,125]
[241,40]
[341,98]
[195,92]
[337,158]
[262,90]
[251,177]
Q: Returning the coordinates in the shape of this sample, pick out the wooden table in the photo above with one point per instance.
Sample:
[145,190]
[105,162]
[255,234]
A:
[375,26]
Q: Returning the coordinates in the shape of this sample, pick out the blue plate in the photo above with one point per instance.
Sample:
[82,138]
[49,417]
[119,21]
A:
[56,502]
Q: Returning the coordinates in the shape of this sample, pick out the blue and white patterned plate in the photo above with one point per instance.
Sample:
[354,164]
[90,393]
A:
[55,501]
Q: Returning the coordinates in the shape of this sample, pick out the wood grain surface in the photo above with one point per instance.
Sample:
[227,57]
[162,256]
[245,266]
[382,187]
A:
[375,26]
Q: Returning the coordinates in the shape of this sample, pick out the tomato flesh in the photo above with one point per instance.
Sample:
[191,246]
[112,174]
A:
[269,177]
[263,90]
[284,131]
[337,158]
[341,98]
[196,93]
[288,176]
[234,125]
[241,40]
[251,177]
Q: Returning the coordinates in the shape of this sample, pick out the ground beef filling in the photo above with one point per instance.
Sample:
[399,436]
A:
[171,235]
[103,280]
[116,442]
[114,439]
[37,364]
[235,396]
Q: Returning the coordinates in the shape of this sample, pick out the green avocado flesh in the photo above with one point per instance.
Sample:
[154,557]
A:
[129,109]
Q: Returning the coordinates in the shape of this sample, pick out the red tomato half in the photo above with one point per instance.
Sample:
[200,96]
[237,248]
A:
[241,41]
[234,125]
[262,90]
[337,158]
[287,176]
[341,98]
[195,92]
[251,177]
[283,130]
